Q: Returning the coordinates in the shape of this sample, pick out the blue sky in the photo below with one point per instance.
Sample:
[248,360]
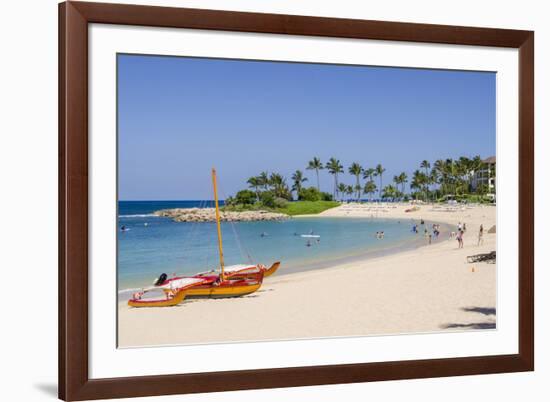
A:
[179,117]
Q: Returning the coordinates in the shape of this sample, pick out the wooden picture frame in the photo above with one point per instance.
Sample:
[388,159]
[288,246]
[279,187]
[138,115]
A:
[74,381]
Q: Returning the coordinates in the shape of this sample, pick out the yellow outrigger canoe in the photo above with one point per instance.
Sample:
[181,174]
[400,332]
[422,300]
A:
[232,281]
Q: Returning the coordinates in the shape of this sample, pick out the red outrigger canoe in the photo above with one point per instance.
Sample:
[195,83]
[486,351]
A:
[232,281]
[239,280]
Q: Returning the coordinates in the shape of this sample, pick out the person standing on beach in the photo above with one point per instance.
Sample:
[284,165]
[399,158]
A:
[480,235]
[459,239]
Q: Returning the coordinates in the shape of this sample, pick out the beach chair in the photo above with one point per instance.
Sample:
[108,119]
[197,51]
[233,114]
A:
[489,258]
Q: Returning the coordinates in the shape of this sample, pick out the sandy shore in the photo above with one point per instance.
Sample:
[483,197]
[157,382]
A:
[431,288]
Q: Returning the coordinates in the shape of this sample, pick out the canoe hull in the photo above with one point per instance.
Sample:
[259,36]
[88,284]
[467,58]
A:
[271,270]
[223,291]
[175,300]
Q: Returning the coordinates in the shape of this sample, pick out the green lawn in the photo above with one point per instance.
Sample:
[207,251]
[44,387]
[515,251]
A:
[307,207]
[293,208]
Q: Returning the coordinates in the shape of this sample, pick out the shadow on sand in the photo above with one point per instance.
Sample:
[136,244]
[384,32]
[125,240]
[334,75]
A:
[473,325]
[481,310]
[486,311]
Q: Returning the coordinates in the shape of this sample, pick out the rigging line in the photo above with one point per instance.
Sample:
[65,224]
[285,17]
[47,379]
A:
[190,235]
[242,249]
[187,237]
[209,242]
[244,253]
[209,249]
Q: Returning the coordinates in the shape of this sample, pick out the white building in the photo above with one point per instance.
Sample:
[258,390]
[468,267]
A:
[486,175]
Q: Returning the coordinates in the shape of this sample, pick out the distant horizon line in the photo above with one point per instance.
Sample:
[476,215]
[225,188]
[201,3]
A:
[168,200]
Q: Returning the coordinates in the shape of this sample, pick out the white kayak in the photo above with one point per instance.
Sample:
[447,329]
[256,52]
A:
[308,235]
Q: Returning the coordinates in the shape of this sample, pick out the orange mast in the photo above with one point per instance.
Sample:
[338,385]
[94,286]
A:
[218,221]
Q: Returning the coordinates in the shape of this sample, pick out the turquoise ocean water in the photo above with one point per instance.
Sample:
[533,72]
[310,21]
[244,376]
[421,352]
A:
[153,245]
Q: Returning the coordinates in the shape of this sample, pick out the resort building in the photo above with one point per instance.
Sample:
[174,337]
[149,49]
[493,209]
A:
[486,175]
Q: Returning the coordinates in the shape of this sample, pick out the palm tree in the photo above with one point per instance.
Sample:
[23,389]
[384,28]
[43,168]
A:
[389,191]
[263,179]
[369,173]
[403,180]
[370,188]
[426,165]
[476,165]
[254,182]
[279,186]
[463,170]
[334,167]
[379,171]
[356,170]
[397,181]
[315,164]
[298,178]
[419,180]
[358,190]
[452,174]
[342,188]
[440,174]
[349,190]
[433,178]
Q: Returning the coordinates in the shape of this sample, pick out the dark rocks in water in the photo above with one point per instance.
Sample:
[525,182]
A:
[209,215]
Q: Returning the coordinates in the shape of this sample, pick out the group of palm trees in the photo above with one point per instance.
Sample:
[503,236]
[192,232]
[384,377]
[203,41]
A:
[451,177]
[335,168]
[447,176]
[273,182]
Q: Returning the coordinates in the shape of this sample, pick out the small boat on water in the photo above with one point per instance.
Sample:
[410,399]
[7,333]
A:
[230,281]
[310,236]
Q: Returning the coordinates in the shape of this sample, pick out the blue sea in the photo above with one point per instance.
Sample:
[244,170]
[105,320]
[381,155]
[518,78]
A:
[152,245]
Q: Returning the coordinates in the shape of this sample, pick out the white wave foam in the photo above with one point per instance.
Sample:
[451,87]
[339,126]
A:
[138,216]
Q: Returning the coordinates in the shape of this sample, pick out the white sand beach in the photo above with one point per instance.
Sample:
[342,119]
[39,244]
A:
[431,288]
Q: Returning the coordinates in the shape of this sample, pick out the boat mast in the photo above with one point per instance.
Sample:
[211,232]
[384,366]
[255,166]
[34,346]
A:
[218,220]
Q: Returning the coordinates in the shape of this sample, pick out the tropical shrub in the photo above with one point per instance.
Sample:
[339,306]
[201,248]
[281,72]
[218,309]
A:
[482,189]
[267,198]
[279,202]
[245,197]
[229,201]
[309,194]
